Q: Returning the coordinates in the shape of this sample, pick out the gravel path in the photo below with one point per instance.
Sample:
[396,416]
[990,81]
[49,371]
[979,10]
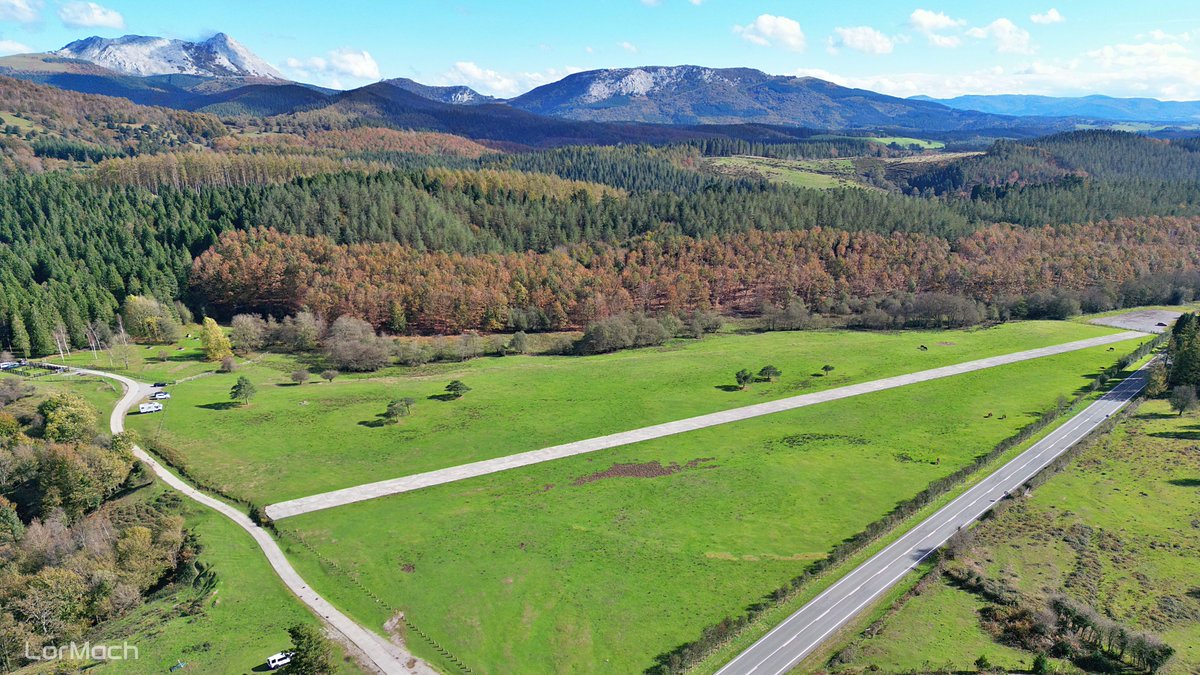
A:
[384,655]
[328,500]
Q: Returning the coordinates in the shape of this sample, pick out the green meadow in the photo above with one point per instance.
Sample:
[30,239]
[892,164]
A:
[1133,497]
[601,562]
[292,441]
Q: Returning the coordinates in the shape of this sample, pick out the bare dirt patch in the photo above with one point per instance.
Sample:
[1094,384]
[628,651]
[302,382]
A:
[653,469]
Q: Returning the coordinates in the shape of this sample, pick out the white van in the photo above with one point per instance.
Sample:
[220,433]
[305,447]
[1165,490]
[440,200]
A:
[279,660]
[144,408]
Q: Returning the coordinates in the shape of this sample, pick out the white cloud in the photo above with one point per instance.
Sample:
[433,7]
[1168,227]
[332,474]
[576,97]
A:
[768,30]
[1008,37]
[1163,36]
[933,26]
[1051,16]
[498,83]
[1168,71]
[22,11]
[862,39]
[336,65]
[14,47]
[628,46]
[89,14]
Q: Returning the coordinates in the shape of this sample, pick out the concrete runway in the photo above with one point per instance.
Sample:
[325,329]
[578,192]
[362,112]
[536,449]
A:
[328,500]
[788,643]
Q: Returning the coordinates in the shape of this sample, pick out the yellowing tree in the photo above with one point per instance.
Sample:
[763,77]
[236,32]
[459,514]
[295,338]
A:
[216,346]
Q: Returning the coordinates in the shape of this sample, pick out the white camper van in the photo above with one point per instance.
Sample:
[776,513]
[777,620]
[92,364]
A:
[144,408]
[279,660]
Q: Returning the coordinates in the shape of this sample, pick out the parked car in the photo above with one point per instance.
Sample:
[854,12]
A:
[6,365]
[276,661]
[145,408]
[160,396]
[160,384]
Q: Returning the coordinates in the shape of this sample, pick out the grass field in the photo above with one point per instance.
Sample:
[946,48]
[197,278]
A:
[293,441]
[820,174]
[598,563]
[183,359]
[1118,530]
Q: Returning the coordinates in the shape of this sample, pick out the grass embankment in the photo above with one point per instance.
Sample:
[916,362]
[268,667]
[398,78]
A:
[1116,530]
[293,441]
[601,562]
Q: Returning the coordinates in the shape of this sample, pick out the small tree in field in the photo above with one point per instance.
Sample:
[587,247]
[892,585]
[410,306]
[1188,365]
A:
[401,407]
[743,377]
[519,343]
[457,388]
[827,369]
[228,364]
[243,390]
[1183,398]
[212,339]
[329,375]
[300,377]
[769,373]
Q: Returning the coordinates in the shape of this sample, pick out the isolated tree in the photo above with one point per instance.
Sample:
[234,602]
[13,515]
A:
[311,652]
[457,388]
[519,342]
[300,376]
[397,408]
[228,364]
[744,378]
[329,374]
[769,373]
[827,369]
[1183,398]
[243,390]
[213,341]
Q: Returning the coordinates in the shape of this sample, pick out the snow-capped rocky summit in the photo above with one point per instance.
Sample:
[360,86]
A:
[218,56]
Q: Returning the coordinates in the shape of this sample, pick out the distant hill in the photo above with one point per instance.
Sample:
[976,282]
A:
[696,95]
[1095,107]
[459,95]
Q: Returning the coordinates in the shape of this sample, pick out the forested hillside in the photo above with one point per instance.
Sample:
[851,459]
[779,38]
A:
[574,233]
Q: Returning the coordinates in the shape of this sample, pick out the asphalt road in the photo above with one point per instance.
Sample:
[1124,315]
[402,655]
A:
[788,643]
[384,655]
[327,500]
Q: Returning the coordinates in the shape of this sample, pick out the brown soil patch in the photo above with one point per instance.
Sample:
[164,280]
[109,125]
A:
[643,470]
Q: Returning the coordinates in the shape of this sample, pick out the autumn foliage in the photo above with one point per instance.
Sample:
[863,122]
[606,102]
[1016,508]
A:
[390,284]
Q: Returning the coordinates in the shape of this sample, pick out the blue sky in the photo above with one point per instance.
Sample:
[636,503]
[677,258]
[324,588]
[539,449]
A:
[1045,46]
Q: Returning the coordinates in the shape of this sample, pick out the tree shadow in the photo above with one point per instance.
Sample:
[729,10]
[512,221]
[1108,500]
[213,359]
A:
[287,384]
[728,387]
[1178,435]
[1158,416]
[443,397]
[1185,482]
[373,424]
[220,405]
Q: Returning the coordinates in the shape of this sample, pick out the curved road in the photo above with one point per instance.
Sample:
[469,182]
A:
[384,655]
[788,643]
[358,493]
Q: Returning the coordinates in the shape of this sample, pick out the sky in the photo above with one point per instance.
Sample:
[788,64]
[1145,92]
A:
[903,48]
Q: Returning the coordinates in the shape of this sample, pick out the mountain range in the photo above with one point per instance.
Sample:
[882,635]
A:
[1094,106]
[651,103]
